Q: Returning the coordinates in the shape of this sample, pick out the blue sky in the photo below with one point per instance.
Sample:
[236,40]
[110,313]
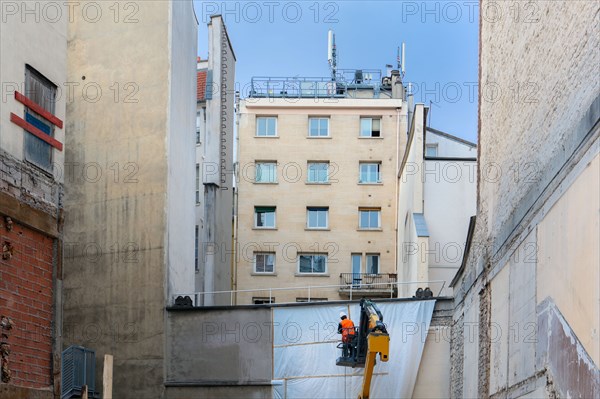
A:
[289,38]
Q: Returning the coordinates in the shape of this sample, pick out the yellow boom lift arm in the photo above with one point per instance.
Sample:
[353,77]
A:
[372,339]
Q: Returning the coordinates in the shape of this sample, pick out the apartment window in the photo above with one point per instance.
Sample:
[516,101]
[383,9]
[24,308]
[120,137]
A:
[317,218]
[264,217]
[262,300]
[42,92]
[266,172]
[196,251]
[264,262]
[370,127]
[197,183]
[266,126]
[373,263]
[369,218]
[431,150]
[369,172]
[318,127]
[318,172]
[311,300]
[312,263]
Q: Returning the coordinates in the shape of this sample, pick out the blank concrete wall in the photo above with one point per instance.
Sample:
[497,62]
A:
[225,347]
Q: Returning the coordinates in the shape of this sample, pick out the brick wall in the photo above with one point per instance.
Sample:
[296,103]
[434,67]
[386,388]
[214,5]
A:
[26,297]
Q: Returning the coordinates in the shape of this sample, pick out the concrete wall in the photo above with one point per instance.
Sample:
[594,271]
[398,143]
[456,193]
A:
[410,201]
[217,167]
[532,272]
[433,379]
[449,201]
[292,194]
[181,151]
[130,246]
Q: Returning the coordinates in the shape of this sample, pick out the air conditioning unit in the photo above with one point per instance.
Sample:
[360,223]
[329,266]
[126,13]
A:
[78,368]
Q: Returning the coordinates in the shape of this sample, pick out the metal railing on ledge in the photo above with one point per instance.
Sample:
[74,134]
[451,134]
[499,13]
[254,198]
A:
[198,299]
[315,87]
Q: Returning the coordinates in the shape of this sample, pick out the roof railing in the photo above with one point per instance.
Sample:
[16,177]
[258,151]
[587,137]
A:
[197,299]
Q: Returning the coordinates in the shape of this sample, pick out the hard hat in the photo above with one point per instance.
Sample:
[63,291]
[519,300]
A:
[342,314]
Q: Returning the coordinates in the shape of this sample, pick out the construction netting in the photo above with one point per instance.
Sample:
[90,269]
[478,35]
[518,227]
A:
[304,351]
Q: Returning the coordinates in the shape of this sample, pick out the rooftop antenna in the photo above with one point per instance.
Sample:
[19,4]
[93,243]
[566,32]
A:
[400,59]
[332,54]
[403,61]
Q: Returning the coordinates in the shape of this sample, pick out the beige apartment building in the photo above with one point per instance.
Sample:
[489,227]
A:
[318,190]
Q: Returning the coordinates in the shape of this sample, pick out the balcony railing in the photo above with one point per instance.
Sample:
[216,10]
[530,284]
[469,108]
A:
[374,284]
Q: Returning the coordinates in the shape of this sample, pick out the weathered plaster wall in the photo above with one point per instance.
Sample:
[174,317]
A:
[216,248]
[121,223]
[534,258]
[180,149]
[31,205]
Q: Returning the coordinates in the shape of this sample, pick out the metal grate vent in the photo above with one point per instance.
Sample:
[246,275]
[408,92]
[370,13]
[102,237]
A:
[77,370]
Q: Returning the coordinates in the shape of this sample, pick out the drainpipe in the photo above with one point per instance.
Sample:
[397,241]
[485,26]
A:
[397,190]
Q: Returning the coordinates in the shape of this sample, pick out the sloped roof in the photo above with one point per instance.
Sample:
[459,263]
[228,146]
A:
[421,225]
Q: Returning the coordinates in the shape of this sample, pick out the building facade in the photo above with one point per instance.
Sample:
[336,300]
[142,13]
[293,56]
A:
[317,193]
[437,190]
[130,217]
[526,322]
[214,166]
[33,75]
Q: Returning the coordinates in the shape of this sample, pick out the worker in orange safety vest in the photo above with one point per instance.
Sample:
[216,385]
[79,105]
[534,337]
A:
[346,328]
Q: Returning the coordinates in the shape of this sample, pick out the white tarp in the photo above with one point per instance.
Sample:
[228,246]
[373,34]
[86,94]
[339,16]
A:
[304,351]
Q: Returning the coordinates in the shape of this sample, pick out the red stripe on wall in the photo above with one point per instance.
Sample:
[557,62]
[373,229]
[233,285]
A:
[30,104]
[36,132]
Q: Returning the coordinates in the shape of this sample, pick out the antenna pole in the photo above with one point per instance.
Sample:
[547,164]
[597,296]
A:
[403,62]
[334,61]
[332,54]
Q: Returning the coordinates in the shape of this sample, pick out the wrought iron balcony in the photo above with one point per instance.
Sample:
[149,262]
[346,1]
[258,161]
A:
[374,285]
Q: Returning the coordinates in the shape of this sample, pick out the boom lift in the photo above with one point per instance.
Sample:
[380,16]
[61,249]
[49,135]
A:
[372,338]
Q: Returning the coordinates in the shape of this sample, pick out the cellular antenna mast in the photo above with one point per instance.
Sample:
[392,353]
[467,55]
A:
[400,59]
[332,54]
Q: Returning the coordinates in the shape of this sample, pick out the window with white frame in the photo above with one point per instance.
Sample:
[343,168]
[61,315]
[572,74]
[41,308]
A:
[266,172]
[317,218]
[264,262]
[373,263]
[318,172]
[43,93]
[370,127]
[264,217]
[266,126]
[369,172]
[318,127]
[431,150]
[369,218]
[312,263]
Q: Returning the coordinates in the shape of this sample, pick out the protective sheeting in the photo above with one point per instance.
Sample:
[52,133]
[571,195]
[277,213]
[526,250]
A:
[304,351]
